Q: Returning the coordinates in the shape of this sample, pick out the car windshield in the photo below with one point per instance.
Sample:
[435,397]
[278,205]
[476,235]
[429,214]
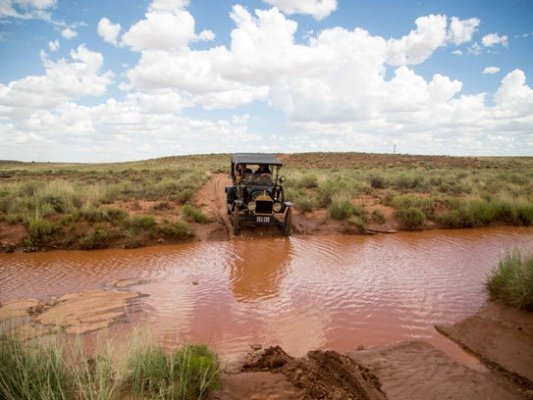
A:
[258,179]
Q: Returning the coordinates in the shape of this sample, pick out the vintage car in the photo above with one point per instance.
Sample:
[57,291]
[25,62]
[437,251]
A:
[256,195]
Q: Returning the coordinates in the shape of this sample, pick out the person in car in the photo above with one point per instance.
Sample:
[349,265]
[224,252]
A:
[263,169]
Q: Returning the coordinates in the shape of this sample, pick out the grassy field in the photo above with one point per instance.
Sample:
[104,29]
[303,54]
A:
[450,193]
[133,204]
[96,206]
[48,369]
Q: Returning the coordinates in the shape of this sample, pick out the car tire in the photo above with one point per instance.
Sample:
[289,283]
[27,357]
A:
[287,223]
[236,226]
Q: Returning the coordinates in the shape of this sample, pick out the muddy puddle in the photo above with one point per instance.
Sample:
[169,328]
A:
[302,293]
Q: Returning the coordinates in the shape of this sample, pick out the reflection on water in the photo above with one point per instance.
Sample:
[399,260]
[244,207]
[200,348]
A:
[303,293]
[256,271]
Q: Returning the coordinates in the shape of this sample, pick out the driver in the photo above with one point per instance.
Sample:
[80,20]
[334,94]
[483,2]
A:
[263,169]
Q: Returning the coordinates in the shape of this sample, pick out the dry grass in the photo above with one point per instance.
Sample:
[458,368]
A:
[95,205]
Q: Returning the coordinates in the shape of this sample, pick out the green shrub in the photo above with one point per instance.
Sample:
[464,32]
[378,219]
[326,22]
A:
[327,190]
[161,206]
[341,209]
[115,215]
[407,181]
[98,239]
[305,204]
[524,213]
[378,217]
[358,222]
[451,219]
[140,222]
[177,230]
[5,204]
[190,373]
[377,181]
[479,212]
[56,202]
[192,213]
[410,218]
[512,281]
[199,371]
[42,230]
[183,196]
[307,181]
[424,204]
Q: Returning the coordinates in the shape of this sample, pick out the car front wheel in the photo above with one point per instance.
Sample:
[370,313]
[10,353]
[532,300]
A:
[287,222]
[236,227]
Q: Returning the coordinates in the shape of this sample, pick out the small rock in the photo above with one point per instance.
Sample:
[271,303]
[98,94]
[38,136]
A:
[298,375]
[195,283]
[360,347]
[160,240]
[256,346]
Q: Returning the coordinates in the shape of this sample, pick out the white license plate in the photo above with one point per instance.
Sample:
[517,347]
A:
[263,220]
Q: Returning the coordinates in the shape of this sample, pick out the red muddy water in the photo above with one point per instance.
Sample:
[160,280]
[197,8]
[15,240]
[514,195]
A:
[303,293]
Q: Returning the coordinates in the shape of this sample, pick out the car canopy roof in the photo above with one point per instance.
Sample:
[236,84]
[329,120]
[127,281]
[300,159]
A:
[255,158]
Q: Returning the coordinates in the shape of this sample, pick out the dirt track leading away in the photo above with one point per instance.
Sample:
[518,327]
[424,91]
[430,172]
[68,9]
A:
[211,200]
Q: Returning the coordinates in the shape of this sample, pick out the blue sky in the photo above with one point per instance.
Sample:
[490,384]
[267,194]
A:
[126,80]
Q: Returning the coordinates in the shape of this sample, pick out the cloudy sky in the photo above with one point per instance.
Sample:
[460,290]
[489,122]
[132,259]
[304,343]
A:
[127,80]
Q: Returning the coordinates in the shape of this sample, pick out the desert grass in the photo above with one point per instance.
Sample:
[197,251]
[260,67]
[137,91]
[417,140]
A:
[92,205]
[482,192]
[51,369]
[512,281]
[82,205]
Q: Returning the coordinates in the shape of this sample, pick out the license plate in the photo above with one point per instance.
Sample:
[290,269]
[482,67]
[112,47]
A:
[263,220]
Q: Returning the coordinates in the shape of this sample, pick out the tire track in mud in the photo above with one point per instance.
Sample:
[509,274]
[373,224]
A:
[211,199]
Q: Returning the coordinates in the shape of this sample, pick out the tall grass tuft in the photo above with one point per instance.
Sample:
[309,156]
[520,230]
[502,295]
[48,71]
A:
[189,373]
[49,370]
[199,371]
[411,218]
[512,281]
[341,208]
[192,213]
[33,371]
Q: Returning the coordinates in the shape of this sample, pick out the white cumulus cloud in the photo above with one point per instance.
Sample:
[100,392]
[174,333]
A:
[493,39]
[490,70]
[341,89]
[319,9]
[68,33]
[26,9]
[53,46]
[168,5]
[161,30]
[63,81]
[108,30]
[419,44]
[461,31]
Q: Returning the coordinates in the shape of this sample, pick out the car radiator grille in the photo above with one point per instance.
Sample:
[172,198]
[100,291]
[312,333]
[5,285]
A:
[263,207]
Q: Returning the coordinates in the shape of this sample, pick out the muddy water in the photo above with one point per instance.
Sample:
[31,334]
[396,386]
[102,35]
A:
[335,292]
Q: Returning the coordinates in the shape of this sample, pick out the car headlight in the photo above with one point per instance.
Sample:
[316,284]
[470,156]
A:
[277,207]
[251,206]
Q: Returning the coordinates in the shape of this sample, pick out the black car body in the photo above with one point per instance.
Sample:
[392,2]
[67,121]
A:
[256,195]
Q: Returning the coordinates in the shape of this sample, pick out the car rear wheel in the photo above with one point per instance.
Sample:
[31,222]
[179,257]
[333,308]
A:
[287,222]
[236,227]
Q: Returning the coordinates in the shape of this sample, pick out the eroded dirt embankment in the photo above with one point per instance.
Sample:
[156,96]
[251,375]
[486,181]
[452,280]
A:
[412,370]
[501,337]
